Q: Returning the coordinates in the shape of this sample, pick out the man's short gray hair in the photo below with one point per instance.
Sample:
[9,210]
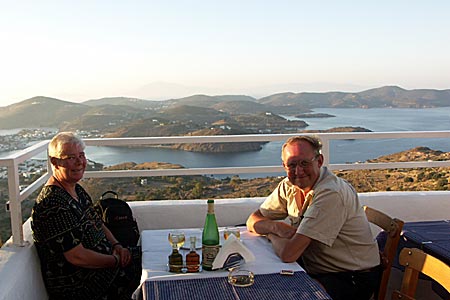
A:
[313,140]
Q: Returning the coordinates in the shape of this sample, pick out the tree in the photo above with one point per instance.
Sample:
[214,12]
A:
[197,191]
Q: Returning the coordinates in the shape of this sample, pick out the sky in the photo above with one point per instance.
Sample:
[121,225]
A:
[82,50]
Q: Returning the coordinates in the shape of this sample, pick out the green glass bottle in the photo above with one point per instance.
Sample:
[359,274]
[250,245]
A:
[210,238]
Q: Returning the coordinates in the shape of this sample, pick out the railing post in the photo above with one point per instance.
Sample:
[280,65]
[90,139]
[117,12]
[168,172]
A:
[15,205]
[325,150]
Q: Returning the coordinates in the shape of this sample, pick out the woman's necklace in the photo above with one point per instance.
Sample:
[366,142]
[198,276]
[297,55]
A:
[62,186]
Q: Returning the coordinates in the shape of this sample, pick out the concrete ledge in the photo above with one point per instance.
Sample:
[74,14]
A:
[191,213]
[20,270]
[410,206]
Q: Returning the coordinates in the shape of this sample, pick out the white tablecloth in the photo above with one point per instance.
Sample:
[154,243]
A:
[156,250]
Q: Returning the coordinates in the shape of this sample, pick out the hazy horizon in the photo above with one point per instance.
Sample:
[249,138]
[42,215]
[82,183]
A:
[174,91]
[155,50]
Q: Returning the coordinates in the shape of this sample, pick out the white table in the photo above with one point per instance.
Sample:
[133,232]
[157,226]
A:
[156,250]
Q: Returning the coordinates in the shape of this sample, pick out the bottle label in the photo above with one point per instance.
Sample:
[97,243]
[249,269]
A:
[192,262]
[211,208]
[209,253]
[175,262]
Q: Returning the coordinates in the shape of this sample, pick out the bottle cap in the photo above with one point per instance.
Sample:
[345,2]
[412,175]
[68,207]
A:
[210,201]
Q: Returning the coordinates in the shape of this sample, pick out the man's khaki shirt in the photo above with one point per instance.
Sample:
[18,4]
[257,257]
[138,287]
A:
[333,218]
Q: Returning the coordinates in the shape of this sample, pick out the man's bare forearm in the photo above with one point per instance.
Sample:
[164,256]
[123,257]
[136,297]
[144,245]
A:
[289,249]
[263,225]
[257,223]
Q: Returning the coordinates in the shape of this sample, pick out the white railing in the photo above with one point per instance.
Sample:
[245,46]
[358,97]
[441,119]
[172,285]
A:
[16,196]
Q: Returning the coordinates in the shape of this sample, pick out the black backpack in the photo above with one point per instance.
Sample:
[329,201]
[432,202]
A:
[118,217]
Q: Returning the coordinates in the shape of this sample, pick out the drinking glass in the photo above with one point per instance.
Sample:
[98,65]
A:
[231,230]
[176,239]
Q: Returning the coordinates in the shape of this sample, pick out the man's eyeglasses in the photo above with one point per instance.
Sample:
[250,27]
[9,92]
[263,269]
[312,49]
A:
[73,158]
[301,163]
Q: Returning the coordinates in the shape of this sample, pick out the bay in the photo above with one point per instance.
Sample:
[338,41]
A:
[343,151]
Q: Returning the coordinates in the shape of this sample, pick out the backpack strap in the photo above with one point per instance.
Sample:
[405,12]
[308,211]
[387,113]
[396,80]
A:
[109,192]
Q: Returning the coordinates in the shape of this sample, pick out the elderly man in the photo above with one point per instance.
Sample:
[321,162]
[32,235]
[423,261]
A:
[328,228]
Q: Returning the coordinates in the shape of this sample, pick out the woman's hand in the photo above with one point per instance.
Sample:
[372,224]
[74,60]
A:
[124,254]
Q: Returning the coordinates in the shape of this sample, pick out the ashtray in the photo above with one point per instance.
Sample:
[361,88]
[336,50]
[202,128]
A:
[241,278]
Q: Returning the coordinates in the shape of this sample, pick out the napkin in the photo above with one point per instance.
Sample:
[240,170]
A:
[231,246]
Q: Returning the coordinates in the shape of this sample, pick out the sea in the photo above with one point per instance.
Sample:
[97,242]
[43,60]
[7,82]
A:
[342,151]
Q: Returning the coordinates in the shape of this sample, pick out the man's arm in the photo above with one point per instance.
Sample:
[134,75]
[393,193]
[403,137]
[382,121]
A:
[260,224]
[287,244]
[289,249]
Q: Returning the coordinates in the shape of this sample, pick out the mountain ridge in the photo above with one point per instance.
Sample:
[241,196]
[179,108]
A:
[43,111]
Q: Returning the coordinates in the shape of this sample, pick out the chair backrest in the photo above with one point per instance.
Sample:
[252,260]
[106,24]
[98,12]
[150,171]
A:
[416,261]
[393,228]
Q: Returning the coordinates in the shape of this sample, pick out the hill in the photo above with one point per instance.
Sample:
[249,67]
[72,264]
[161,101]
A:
[388,96]
[121,101]
[198,121]
[208,101]
[108,114]
[397,97]
[193,114]
[242,107]
[105,118]
[40,112]
[421,179]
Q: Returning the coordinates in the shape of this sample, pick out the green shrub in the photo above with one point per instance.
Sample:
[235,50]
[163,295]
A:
[408,179]
[442,184]
[420,176]
[430,175]
[436,175]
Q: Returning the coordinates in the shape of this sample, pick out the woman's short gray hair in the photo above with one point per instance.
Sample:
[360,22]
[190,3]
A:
[56,144]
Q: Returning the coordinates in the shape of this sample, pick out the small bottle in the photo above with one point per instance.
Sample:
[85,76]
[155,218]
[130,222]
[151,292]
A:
[210,238]
[175,260]
[192,258]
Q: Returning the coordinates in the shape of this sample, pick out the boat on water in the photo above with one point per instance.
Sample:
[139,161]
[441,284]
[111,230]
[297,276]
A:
[19,265]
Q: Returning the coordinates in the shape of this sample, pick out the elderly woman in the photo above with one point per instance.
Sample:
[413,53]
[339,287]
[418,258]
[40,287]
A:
[80,258]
